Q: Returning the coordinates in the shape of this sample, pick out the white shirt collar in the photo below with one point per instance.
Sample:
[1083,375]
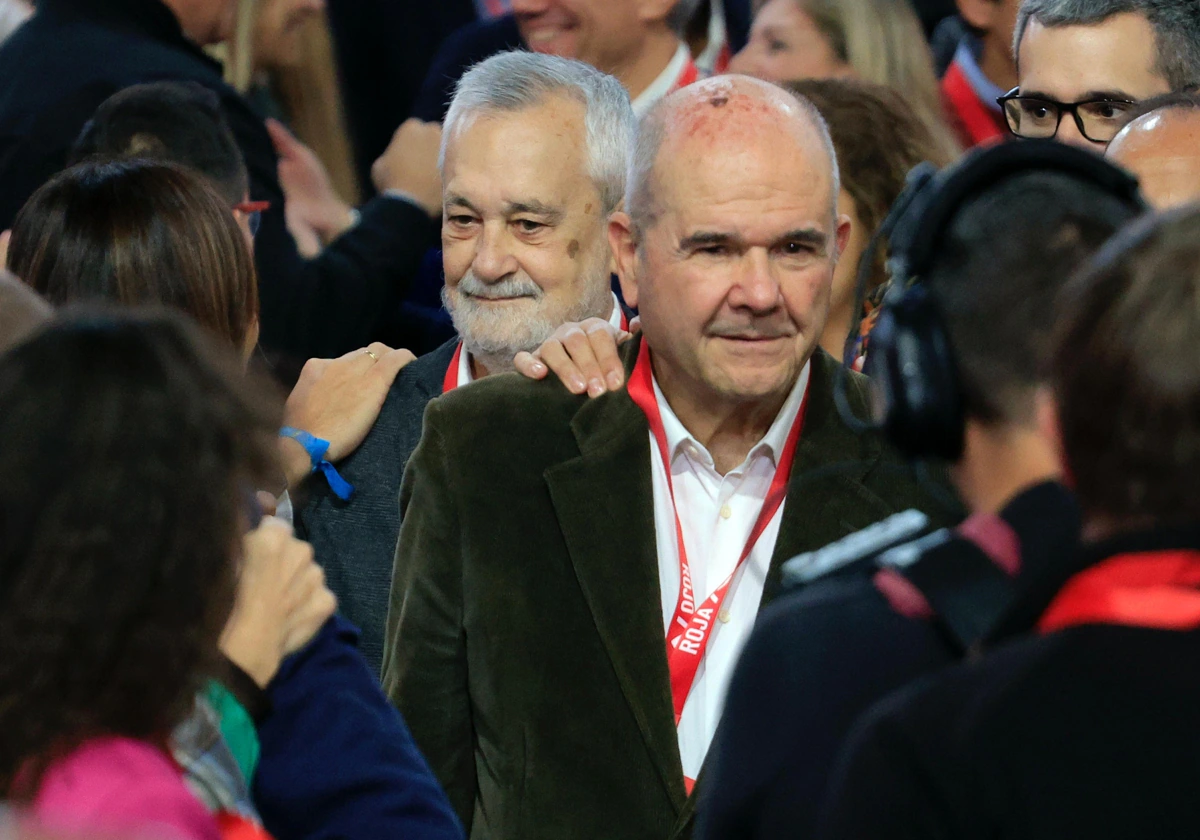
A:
[681,442]
[665,82]
[464,358]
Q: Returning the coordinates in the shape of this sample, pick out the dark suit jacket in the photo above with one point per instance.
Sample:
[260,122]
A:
[355,541]
[74,54]
[526,644]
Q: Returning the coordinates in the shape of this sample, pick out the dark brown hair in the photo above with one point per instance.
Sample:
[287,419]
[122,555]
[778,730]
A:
[1127,376]
[878,138]
[138,232]
[130,443]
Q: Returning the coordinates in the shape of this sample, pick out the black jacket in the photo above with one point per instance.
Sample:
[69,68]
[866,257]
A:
[1091,731]
[355,541]
[74,54]
[820,657]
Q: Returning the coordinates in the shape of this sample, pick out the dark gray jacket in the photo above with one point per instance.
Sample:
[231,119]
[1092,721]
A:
[355,541]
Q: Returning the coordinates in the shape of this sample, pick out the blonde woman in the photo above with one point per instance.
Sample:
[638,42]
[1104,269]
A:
[878,41]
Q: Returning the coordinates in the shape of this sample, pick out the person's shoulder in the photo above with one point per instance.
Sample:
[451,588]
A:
[121,782]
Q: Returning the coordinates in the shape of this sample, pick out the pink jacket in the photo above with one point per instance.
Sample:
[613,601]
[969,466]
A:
[119,784]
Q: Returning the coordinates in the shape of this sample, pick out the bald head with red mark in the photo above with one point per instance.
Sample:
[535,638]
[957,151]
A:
[1162,148]
[730,240]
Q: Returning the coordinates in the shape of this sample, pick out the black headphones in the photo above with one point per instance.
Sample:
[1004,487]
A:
[918,400]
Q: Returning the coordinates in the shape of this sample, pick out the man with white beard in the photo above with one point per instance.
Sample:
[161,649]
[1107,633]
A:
[533,162]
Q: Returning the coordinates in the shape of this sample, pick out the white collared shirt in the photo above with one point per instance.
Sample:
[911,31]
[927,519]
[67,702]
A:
[464,359]
[666,82]
[717,514]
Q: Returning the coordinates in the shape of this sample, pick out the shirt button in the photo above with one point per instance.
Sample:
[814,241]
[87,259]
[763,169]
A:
[723,616]
[726,511]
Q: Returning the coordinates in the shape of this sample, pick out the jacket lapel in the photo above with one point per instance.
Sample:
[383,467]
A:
[826,495]
[608,490]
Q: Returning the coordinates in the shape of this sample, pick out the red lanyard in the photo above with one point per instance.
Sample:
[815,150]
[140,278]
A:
[691,627]
[1157,589]
[450,381]
[980,123]
[691,73]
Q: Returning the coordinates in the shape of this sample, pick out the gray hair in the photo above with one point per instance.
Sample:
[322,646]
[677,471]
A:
[1176,29]
[516,80]
[641,201]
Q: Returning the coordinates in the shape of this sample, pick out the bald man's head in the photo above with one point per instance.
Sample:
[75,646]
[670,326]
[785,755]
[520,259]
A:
[721,117]
[1162,148]
[729,243]
[22,311]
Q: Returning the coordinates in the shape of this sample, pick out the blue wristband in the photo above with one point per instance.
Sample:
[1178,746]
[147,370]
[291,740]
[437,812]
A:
[316,449]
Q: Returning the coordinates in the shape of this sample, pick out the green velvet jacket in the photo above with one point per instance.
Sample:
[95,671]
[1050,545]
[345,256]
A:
[525,642]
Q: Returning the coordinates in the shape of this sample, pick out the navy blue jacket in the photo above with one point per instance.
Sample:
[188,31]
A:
[337,758]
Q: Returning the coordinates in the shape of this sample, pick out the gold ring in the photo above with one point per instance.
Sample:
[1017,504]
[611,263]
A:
[367,350]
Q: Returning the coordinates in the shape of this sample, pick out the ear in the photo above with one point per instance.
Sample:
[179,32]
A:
[622,239]
[656,11]
[979,14]
[844,226]
[1048,426]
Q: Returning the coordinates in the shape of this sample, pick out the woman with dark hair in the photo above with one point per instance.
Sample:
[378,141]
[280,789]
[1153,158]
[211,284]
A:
[136,232]
[877,139]
[122,511]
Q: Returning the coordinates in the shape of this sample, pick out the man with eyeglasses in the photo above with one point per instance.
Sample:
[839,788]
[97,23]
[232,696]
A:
[1083,65]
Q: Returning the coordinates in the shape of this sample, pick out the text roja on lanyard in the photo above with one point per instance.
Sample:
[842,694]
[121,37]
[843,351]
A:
[691,626]
[1155,589]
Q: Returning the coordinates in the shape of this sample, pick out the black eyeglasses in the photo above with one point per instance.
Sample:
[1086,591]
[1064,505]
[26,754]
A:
[1035,118]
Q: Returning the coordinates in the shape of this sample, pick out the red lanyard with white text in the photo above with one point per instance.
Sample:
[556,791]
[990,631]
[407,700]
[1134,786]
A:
[691,626]
[450,381]
[1156,589]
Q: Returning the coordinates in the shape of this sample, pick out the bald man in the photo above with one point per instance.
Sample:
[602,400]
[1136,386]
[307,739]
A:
[1161,147]
[574,579]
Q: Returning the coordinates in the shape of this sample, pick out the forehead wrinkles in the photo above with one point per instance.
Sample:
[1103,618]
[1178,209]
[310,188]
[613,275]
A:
[701,151]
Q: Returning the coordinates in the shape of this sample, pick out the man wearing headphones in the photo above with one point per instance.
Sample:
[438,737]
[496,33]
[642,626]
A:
[958,356]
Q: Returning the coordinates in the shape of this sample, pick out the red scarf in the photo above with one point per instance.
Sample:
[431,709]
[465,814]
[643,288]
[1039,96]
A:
[1157,589]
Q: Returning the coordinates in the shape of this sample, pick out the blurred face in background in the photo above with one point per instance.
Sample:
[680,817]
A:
[524,242]
[278,29]
[785,43]
[603,33]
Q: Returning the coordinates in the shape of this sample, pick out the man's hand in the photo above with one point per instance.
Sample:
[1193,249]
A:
[316,215]
[338,400]
[583,356]
[409,165]
[281,601]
